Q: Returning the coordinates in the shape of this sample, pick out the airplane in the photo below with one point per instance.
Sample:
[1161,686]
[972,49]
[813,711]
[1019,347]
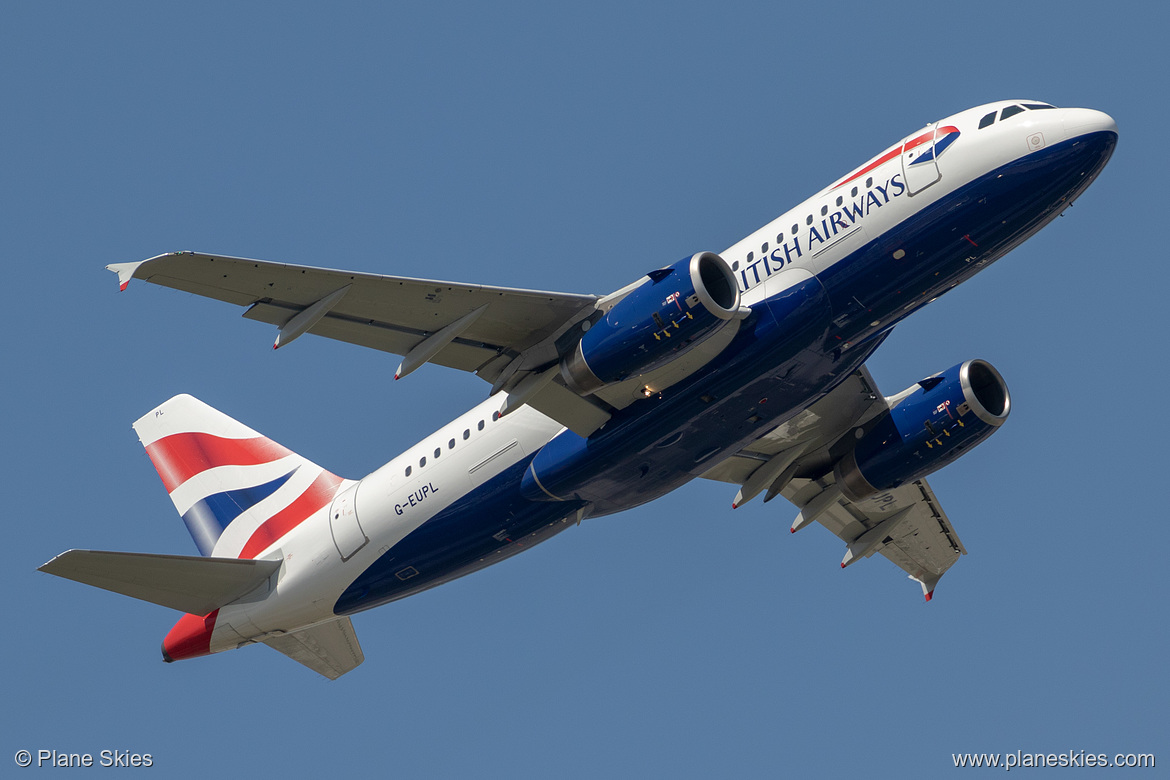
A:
[745,367]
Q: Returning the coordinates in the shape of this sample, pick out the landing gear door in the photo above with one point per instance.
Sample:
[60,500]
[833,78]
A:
[348,535]
[919,166]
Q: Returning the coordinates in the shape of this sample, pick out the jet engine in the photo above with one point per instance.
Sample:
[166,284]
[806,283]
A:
[929,425]
[676,309]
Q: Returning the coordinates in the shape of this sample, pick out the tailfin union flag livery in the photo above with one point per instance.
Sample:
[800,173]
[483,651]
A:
[745,367]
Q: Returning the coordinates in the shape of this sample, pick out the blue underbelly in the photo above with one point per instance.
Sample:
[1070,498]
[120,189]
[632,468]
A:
[790,352]
[953,239]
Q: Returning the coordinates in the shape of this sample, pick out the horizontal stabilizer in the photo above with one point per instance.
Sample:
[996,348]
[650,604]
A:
[191,584]
[330,649]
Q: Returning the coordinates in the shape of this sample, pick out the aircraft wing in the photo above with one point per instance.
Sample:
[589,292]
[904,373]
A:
[501,334]
[907,524]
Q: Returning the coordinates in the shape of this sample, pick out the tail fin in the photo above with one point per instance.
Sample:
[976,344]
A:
[237,491]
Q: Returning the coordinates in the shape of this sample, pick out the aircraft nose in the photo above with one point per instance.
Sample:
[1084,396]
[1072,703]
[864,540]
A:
[1083,121]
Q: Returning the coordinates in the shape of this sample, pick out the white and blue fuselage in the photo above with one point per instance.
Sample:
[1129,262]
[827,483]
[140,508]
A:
[825,282]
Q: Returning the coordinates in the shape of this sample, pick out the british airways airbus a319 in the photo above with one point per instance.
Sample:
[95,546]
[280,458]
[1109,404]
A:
[746,367]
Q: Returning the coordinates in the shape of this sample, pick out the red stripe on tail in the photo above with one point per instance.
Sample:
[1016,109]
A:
[320,493]
[183,455]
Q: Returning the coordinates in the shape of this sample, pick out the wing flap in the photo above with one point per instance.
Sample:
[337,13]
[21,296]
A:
[192,584]
[515,319]
[330,649]
[382,336]
[927,544]
[923,544]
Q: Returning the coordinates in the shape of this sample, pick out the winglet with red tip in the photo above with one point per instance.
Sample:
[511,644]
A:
[125,272]
[928,584]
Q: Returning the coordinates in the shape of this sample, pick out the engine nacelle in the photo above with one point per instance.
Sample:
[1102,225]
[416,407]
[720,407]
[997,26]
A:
[676,309]
[928,428]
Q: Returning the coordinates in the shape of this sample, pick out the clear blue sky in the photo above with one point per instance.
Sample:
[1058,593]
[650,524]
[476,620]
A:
[534,146]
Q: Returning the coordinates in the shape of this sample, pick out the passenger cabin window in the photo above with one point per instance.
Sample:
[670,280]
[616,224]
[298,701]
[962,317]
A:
[779,238]
[808,220]
[480,427]
[751,256]
[987,120]
[840,200]
[1010,111]
[451,444]
[764,248]
[853,194]
[422,461]
[795,229]
[466,434]
[408,470]
[438,451]
[824,210]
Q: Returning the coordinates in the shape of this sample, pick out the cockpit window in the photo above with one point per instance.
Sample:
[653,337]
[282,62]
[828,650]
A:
[1010,111]
[987,120]
[1037,106]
